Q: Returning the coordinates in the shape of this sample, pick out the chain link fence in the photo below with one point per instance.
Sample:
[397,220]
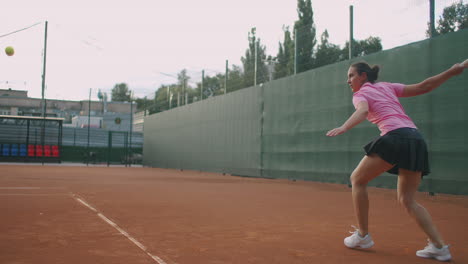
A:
[100,146]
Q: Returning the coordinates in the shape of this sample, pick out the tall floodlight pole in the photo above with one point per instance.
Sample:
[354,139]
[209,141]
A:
[255,63]
[295,51]
[44,107]
[432,18]
[131,127]
[202,83]
[350,31]
[185,91]
[226,77]
[44,70]
[168,97]
[89,126]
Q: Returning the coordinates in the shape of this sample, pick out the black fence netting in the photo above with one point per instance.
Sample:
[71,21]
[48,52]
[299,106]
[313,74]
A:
[102,146]
[35,139]
[30,139]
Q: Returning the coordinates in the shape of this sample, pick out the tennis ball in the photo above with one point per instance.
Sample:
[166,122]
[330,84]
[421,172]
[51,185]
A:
[9,51]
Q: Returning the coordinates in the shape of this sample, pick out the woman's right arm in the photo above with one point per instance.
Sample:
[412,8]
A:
[433,82]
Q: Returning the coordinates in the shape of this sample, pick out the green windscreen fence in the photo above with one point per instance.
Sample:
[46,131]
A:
[278,129]
[220,134]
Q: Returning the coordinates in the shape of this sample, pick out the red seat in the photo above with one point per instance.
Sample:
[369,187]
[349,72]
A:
[39,151]
[55,151]
[47,151]
[31,151]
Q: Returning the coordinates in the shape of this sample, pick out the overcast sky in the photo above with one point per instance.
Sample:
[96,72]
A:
[98,43]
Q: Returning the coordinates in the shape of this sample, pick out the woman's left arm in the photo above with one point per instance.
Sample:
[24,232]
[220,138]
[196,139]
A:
[433,82]
[362,109]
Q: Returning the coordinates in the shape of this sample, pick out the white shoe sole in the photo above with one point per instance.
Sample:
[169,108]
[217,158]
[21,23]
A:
[439,258]
[368,245]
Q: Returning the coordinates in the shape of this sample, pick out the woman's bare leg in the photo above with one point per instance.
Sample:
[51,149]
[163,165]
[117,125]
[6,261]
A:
[408,182]
[369,168]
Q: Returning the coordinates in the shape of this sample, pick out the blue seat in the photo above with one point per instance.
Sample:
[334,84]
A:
[6,150]
[23,150]
[14,150]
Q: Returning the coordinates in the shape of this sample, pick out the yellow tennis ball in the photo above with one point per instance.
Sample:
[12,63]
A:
[9,51]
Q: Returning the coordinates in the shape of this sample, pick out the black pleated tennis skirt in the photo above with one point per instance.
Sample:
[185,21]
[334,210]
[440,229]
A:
[404,147]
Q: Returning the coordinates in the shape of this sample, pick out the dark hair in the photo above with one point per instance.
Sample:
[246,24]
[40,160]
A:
[372,73]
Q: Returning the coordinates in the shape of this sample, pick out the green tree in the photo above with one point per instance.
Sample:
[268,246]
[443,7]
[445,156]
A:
[305,36]
[160,100]
[183,80]
[219,82]
[142,104]
[370,45]
[162,96]
[248,61]
[120,93]
[214,85]
[211,85]
[362,47]
[327,53]
[235,78]
[454,18]
[285,57]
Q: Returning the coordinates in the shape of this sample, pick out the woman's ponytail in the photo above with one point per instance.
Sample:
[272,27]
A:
[372,73]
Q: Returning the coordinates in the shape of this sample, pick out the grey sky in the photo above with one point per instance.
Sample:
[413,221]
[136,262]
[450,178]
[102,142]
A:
[98,43]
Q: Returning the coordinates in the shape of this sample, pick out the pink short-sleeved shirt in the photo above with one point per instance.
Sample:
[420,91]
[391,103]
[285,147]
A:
[385,109]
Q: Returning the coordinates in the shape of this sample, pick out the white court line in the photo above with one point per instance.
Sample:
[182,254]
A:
[31,188]
[123,232]
[32,194]
[20,188]
[85,204]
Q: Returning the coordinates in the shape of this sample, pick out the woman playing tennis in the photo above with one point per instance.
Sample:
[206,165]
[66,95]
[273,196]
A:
[400,150]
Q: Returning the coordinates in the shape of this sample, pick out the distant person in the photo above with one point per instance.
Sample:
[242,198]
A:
[400,150]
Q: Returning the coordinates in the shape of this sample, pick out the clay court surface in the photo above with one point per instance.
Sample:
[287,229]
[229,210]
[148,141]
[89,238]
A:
[64,214]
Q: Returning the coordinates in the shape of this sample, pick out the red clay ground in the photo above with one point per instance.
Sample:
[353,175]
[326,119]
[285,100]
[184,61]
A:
[192,217]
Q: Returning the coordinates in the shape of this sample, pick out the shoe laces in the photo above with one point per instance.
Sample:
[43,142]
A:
[356,230]
[431,245]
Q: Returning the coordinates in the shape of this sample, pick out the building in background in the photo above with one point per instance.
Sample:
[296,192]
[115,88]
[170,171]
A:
[115,116]
[139,120]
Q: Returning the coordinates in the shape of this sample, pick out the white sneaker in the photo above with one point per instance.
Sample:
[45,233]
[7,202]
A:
[356,241]
[431,251]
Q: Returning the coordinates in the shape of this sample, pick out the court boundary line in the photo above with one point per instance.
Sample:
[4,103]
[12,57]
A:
[20,188]
[115,226]
[33,194]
